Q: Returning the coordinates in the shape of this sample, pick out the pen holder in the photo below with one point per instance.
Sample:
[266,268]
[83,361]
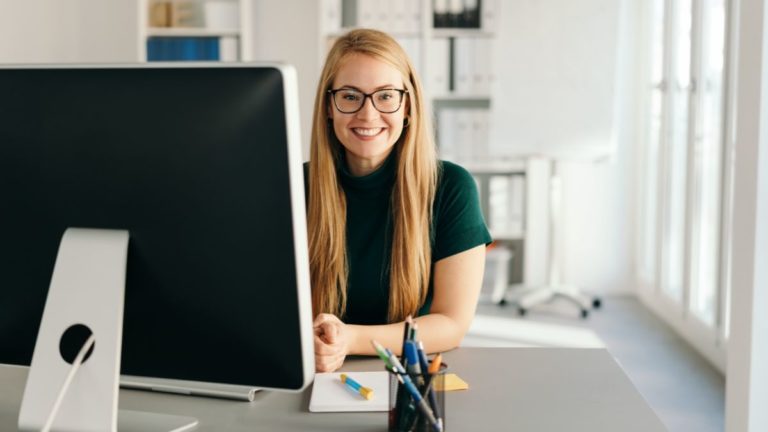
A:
[405,413]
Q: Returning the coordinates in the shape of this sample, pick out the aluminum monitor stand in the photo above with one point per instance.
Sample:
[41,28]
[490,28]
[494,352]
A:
[87,291]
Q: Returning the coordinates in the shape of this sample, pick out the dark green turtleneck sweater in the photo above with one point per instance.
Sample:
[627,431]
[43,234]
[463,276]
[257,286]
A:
[457,226]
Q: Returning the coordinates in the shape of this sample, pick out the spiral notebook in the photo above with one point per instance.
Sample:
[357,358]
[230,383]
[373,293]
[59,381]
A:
[329,394]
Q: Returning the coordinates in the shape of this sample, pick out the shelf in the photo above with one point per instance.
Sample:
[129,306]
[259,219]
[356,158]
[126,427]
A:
[462,97]
[504,236]
[499,166]
[191,32]
[460,101]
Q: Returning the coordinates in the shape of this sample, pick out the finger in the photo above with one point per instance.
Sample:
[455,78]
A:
[324,349]
[337,363]
[319,329]
[328,363]
[330,332]
[323,317]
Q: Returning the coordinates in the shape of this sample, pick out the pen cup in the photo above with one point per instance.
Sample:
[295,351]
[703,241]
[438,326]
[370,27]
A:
[408,415]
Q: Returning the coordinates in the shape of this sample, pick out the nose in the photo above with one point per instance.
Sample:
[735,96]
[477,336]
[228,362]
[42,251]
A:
[367,111]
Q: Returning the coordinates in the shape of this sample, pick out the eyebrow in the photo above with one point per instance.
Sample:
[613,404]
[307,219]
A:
[385,86]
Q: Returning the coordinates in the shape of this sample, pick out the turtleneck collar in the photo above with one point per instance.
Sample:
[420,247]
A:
[380,180]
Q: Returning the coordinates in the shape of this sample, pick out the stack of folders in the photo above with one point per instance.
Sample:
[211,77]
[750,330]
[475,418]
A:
[416,406]
[183,48]
[456,13]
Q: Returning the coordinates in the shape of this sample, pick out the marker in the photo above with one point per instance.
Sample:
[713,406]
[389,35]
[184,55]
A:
[365,392]
[434,367]
[382,352]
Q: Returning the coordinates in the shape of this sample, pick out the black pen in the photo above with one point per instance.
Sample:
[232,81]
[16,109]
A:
[406,335]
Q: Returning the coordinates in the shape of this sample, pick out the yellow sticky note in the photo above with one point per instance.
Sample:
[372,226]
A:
[452,382]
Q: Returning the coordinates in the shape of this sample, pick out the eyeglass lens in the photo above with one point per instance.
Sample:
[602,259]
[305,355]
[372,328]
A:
[385,101]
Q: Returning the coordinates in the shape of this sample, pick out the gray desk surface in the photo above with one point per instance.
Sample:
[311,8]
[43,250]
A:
[511,389]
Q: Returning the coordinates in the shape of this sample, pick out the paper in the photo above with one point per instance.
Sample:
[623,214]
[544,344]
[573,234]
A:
[329,394]
[452,382]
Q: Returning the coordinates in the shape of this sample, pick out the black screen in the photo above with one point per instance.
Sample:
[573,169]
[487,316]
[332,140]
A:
[193,162]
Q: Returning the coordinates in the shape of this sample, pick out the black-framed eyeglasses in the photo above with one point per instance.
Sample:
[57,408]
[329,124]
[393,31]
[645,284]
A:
[386,101]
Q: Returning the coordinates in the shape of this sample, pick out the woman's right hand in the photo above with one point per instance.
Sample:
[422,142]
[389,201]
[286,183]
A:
[332,339]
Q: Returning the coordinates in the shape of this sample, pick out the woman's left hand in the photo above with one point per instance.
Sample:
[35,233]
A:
[332,341]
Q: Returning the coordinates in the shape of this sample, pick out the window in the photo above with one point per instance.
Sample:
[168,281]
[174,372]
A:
[680,240]
[708,161]
[654,118]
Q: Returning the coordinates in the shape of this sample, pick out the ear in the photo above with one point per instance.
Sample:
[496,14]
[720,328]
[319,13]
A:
[407,110]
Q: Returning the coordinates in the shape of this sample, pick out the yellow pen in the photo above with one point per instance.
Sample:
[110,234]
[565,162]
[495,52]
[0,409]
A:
[365,392]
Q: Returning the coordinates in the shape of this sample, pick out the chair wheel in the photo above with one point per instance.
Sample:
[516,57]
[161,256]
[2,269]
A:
[584,313]
[597,303]
[522,311]
[502,302]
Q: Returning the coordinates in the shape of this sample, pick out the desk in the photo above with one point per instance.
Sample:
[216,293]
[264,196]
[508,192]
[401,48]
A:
[511,389]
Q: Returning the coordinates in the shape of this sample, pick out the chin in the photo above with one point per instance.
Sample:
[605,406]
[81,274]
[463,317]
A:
[366,151]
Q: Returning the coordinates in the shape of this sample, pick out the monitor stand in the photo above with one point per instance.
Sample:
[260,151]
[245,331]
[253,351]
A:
[86,297]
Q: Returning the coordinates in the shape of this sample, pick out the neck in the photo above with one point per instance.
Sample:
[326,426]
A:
[359,167]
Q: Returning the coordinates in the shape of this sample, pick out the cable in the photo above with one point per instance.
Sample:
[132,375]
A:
[67,381]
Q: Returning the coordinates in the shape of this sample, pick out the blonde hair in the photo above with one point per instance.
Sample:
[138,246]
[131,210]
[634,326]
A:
[412,195]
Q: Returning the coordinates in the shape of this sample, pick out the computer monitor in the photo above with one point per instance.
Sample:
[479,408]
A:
[201,164]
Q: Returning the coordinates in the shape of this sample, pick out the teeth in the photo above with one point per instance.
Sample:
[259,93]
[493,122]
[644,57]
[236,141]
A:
[367,132]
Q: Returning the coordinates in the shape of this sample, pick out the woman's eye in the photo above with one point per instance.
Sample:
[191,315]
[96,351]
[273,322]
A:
[351,97]
[385,96]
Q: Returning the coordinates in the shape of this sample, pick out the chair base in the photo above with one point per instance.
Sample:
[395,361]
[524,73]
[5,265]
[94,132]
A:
[532,297]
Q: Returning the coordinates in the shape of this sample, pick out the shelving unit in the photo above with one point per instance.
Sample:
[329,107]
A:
[206,20]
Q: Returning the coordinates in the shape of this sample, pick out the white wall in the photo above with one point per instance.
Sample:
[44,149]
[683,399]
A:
[747,372]
[288,31]
[598,204]
[555,68]
[599,200]
[71,31]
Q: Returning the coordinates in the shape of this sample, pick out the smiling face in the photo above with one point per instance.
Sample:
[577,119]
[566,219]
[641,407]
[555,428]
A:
[368,136]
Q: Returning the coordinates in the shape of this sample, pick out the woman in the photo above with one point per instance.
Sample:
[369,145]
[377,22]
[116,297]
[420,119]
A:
[393,231]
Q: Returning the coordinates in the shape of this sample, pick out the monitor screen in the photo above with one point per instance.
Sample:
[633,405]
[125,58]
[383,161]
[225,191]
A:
[202,165]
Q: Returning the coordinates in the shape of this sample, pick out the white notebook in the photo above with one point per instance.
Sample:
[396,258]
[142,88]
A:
[329,394]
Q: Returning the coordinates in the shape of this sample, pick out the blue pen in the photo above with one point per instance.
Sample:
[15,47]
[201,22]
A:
[413,366]
[423,361]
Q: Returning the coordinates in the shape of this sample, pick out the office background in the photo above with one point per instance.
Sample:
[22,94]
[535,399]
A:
[650,217]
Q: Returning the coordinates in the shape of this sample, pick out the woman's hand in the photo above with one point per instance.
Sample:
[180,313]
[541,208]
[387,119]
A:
[332,342]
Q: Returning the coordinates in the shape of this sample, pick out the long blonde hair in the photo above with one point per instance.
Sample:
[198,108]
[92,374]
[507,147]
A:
[412,196]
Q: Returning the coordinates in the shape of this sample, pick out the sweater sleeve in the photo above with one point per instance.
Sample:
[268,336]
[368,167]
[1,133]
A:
[458,223]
